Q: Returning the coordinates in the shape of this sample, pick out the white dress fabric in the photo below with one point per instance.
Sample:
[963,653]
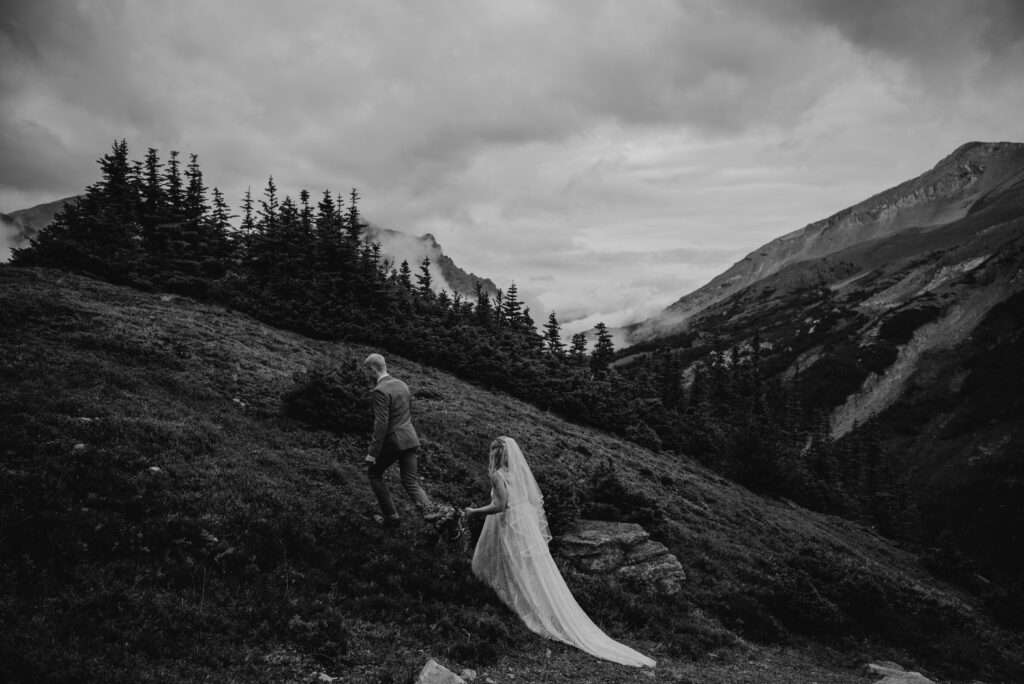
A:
[512,556]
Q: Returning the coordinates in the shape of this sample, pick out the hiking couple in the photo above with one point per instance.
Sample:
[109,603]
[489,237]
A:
[512,553]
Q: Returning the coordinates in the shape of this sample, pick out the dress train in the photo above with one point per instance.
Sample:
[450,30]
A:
[512,556]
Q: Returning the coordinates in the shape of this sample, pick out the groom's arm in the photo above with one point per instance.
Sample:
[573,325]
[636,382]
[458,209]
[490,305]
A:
[381,413]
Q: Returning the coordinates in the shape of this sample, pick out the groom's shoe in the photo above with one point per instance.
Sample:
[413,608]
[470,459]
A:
[389,523]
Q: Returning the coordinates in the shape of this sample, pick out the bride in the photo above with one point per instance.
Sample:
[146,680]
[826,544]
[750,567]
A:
[512,557]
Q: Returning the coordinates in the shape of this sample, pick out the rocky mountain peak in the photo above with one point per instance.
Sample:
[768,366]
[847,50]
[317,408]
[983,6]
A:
[974,152]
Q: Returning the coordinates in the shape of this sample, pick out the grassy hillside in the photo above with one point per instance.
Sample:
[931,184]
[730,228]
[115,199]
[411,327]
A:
[161,519]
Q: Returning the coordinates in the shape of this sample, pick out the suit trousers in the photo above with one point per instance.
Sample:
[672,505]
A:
[408,475]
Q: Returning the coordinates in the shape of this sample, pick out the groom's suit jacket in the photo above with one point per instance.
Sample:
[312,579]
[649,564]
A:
[392,418]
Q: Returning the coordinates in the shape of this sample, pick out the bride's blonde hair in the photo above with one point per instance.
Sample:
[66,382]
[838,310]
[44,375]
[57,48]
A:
[498,455]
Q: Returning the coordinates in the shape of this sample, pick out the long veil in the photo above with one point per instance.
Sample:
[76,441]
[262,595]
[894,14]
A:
[526,503]
[512,556]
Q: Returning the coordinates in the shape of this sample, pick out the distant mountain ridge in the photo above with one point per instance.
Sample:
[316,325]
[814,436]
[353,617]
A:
[395,245]
[941,195]
[22,225]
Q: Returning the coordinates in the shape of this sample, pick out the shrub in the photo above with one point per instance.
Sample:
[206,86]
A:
[330,398]
[560,498]
[593,510]
[609,491]
[644,435]
[749,617]
[801,606]
[479,639]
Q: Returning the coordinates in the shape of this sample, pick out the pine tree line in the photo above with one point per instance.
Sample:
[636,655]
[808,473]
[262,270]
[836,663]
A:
[307,266]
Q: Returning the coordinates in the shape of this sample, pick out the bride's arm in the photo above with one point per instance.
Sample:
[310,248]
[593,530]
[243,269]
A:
[498,502]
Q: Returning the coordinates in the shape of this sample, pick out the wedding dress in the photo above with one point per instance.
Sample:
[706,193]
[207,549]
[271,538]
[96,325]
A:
[512,557]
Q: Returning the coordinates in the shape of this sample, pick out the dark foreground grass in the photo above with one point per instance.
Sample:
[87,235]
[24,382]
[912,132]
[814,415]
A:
[169,512]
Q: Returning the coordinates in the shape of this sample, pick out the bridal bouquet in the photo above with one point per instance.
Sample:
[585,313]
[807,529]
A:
[450,523]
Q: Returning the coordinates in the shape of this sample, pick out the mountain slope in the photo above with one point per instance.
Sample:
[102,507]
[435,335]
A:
[161,519]
[972,176]
[30,221]
[20,226]
[900,319]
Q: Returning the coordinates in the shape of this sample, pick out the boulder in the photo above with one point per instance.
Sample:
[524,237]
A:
[621,551]
[436,673]
[894,674]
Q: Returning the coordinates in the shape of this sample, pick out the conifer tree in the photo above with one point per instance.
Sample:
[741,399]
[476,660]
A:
[154,199]
[353,222]
[195,207]
[463,306]
[443,301]
[99,233]
[305,213]
[173,183]
[484,311]
[327,219]
[118,196]
[330,238]
[669,380]
[220,232]
[248,224]
[755,363]
[511,307]
[110,226]
[288,214]
[528,329]
[405,275]
[266,243]
[424,279]
[297,235]
[823,463]
[268,218]
[553,337]
[792,417]
[604,350]
[220,213]
[499,309]
[578,349]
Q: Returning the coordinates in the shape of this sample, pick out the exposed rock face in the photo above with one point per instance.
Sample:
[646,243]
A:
[624,552]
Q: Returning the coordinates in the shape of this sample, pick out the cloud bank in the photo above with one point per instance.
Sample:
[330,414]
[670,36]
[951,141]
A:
[608,157]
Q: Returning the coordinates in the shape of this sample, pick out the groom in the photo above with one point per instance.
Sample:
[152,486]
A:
[394,439]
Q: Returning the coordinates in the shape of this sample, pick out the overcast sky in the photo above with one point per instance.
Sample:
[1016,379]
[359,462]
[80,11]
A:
[608,157]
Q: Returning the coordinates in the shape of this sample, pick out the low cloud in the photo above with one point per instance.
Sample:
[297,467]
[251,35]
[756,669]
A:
[399,247]
[10,237]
